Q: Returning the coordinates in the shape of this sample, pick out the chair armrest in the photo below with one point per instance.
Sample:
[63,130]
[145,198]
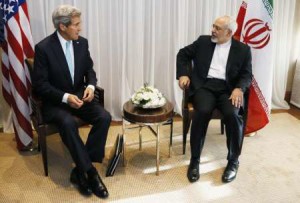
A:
[185,98]
[99,95]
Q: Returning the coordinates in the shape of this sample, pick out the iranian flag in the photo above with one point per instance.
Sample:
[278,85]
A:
[255,25]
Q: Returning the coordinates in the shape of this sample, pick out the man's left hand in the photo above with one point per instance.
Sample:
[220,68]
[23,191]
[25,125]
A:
[237,97]
[88,95]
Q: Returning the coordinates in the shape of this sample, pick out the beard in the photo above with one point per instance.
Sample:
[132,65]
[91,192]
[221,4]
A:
[214,39]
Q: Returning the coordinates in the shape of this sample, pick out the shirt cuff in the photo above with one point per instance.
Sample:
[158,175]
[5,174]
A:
[92,87]
[65,98]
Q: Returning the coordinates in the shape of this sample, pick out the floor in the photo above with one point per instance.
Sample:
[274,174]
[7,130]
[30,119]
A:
[294,111]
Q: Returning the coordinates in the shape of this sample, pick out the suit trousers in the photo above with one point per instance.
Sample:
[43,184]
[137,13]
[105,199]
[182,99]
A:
[215,94]
[94,149]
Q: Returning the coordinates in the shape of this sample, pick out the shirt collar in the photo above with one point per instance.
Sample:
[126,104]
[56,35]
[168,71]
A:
[226,44]
[62,40]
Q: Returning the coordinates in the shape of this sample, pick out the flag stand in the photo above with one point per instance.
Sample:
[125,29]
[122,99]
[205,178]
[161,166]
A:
[250,134]
[32,147]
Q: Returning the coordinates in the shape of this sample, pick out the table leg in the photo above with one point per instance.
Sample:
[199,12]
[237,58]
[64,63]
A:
[157,151]
[124,142]
[140,137]
[171,137]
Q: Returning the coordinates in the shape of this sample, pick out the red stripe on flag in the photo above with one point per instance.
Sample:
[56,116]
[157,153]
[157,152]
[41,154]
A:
[6,95]
[25,9]
[257,107]
[22,121]
[18,51]
[28,49]
[5,72]
[19,85]
[14,44]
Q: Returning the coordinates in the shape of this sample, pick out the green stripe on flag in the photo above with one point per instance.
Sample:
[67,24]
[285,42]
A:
[269,6]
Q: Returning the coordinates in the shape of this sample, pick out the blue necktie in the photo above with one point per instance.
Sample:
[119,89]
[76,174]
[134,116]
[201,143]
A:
[69,60]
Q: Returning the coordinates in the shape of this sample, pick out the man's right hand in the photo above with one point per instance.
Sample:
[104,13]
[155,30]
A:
[74,101]
[184,82]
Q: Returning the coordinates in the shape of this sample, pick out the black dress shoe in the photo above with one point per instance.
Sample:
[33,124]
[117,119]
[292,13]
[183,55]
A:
[230,172]
[81,182]
[193,171]
[98,186]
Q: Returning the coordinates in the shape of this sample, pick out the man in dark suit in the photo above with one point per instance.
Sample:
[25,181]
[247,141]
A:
[221,74]
[64,78]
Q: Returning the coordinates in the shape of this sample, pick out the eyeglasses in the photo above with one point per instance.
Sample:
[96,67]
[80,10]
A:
[218,28]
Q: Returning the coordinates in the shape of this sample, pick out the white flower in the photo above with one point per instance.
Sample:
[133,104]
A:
[148,97]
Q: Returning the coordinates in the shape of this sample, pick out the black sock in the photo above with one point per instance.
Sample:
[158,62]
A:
[79,171]
[193,159]
[234,161]
[92,172]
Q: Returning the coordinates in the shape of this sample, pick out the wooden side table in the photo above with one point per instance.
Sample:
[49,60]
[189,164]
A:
[151,118]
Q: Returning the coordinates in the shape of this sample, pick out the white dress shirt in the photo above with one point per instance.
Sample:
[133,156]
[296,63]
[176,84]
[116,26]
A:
[63,45]
[219,61]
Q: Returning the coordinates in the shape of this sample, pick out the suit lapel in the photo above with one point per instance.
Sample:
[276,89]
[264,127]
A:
[211,52]
[231,55]
[60,56]
[76,48]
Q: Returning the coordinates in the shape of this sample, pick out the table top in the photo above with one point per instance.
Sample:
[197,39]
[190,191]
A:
[139,115]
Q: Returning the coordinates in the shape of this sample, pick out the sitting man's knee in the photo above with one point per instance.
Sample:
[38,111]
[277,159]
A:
[105,117]
[68,122]
[231,115]
[202,113]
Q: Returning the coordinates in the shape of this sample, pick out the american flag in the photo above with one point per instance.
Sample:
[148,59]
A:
[16,79]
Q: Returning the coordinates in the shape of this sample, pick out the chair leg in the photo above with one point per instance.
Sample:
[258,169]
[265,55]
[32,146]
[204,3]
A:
[171,137]
[39,144]
[43,145]
[186,124]
[222,127]
[170,122]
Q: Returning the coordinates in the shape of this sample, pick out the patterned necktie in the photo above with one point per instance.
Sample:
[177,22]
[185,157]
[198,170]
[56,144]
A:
[69,59]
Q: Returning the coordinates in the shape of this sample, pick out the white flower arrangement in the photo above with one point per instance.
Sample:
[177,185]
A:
[148,97]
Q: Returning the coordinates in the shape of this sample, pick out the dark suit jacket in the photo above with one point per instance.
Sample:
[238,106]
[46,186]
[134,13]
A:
[238,68]
[51,76]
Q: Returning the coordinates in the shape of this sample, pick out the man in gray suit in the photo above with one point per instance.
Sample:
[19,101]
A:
[64,78]
[221,74]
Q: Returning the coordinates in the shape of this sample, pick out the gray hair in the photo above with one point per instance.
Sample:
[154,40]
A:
[231,23]
[63,15]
